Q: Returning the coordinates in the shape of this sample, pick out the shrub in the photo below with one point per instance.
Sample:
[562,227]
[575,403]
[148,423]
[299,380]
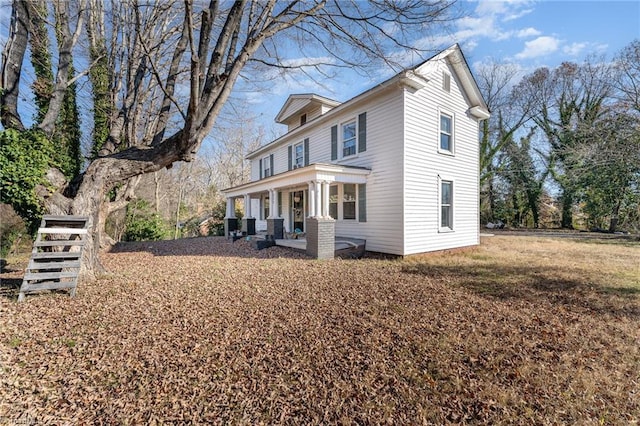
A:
[142,224]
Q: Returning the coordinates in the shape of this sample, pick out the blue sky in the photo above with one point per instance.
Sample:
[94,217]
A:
[527,33]
[530,34]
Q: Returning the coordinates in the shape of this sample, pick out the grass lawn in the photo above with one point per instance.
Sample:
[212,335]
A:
[521,330]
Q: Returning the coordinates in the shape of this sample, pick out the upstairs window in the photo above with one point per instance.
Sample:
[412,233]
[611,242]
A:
[349,139]
[446,133]
[298,159]
[303,119]
[266,167]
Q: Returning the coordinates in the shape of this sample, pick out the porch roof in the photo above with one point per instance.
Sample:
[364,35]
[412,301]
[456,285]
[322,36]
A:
[300,176]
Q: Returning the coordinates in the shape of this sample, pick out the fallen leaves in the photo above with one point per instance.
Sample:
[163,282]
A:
[209,331]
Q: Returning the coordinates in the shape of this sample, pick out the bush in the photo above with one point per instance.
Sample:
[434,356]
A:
[25,158]
[142,224]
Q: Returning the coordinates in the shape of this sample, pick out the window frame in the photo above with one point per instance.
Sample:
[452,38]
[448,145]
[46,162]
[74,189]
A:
[336,202]
[449,226]
[343,201]
[451,133]
[354,139]
[339,202]
[295,155]
[266,167]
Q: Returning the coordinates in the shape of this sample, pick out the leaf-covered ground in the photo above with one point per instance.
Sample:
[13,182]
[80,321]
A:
[519,330]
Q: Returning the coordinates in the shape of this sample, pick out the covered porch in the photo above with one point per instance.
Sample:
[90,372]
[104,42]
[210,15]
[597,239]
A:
[296,203]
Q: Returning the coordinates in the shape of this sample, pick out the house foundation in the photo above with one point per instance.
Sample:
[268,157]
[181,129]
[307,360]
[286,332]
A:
[275,227]
[321,237]
[230,225]
[249,226]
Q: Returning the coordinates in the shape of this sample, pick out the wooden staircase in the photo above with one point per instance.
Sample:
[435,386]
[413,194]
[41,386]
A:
[56,256]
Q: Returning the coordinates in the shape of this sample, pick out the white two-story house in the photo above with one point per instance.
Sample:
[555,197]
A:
[397,165]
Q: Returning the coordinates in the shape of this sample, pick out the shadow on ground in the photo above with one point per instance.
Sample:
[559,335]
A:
[206,246]
[9,287]
[550,285]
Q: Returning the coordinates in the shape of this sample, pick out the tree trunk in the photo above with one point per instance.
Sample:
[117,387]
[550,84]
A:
[567,210]
[613,222]
[12,58]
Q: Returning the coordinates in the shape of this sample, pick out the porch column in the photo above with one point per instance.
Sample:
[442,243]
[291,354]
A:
[247,205]
[230,220]
[231,213]
[248,221]
[273,199]
[325,198]
[275,224]
[319,206]
[312,199]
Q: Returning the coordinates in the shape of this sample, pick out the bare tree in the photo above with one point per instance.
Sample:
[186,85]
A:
[510,112]
[176,65]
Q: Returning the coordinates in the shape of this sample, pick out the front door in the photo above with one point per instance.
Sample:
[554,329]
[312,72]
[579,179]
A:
[297,211]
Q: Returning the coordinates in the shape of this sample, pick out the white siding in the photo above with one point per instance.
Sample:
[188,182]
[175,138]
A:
[424,166]
[383,229]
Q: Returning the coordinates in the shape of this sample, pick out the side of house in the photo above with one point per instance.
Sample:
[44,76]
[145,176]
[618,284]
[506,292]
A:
[397,165]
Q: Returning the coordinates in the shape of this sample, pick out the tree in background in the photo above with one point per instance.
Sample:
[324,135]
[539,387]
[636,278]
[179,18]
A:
[567,101]
[608,170]
[510,112]
[173,66]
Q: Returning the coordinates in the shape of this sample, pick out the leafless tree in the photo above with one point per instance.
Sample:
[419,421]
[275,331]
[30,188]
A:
[173,66]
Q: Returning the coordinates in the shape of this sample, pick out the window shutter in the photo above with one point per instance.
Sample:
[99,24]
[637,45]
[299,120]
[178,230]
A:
[362,132]
[362,202]
[271,165]
[306,152]
[334,143]
[260,165]
[290,153]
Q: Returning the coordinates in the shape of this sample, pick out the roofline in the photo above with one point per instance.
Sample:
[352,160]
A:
[407,77]
[311,96]
[315,167]
[347,104]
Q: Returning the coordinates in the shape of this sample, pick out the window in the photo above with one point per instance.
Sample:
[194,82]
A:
[266,167]
[265,207]
[298,155]
[349,201]
[303,119]
[349,139]
[446,204]
[446,81]
[333,201]
[446,132]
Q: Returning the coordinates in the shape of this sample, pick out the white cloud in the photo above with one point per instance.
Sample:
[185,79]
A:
[487,22]
[540,46]
[528,32]
[576,49]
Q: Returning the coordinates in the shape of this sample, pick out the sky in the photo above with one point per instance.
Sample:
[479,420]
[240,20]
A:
[529,34]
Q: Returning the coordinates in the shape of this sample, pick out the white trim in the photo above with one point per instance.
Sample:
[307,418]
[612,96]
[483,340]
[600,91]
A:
[444,229]
[299,177]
